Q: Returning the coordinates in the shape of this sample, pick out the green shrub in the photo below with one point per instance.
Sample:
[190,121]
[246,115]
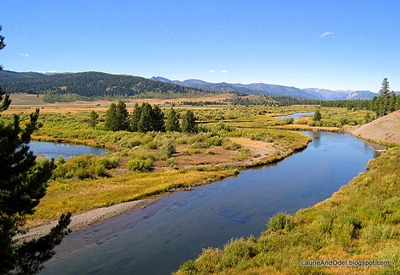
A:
[323,224]
[140,165]
[85,166]
[230,145]
[238,252]
[373,233]
[167,150]
[281,221]
[171,162]
[188,268]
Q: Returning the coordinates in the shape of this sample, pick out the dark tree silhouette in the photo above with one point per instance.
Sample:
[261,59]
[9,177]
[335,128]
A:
[23,182]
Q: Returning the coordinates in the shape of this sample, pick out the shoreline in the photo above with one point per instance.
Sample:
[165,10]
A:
[88,218]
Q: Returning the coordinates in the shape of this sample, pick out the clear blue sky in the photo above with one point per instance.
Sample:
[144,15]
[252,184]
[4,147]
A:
[340,44]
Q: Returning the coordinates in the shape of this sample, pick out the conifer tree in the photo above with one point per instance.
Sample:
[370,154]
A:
[172,121]
[23,182]
[135,117]
[93,119]
[122,117]
[189,123]
[111,118]
[144,124]
[157,120]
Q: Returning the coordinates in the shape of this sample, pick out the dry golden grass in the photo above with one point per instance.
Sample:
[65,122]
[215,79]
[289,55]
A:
[27,103]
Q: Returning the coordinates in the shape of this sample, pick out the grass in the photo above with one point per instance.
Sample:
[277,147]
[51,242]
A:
[358,223]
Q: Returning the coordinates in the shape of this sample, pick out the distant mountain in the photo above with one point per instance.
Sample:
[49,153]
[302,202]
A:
[273,90]
[90,84]
[341,95]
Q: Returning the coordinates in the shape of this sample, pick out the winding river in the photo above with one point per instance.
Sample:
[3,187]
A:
[157,239]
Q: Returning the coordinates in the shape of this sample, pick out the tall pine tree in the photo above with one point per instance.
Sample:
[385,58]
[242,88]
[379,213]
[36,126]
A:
[172,121]
[144,124]
[23,182]
[189,123]
[122,117]
[111,118]
[135,117]
[157,120]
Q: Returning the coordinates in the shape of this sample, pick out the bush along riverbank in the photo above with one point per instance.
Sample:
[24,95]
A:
[356,231]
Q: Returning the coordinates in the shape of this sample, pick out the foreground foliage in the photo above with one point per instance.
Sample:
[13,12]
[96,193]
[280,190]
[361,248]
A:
[23,183]
[360,222]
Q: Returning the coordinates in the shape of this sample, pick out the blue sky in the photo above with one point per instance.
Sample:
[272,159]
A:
[341,44]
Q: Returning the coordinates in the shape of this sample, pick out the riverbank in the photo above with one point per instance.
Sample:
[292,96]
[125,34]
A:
[89,218]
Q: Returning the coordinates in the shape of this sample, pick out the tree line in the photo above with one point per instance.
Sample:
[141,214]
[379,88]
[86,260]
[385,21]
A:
[90,85]
[145,118]
[386,102]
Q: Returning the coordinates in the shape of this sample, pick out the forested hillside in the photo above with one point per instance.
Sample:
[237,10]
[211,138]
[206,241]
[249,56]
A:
[88,85]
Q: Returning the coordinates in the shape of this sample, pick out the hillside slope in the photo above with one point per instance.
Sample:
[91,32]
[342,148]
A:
[386,128]
[90,84]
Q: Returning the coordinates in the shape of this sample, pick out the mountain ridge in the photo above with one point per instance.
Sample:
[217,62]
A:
[274,90]
[90,84]
[99,84]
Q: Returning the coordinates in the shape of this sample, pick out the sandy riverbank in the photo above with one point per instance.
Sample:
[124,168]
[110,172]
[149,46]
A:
[89,218]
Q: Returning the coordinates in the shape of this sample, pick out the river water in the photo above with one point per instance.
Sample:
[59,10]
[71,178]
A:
[157,239]
[54,150]
[296,116]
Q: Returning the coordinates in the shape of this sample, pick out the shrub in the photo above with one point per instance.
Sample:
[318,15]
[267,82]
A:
[167,150]
[85,166]
[281,221]
[171,162]
[140,165]
[238,252]
[373,233]
[230,145]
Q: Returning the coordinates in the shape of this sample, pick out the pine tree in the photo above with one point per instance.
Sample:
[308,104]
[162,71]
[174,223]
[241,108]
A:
[144,124]
[189,123]
[135,117]
[111,118]
[23,182]
[384,98]
[392,102]
[157,120]
[172,121]
[122,117]
[93,119]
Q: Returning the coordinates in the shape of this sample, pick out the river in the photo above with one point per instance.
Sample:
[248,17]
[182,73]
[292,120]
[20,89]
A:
[67,150]
[157,239]
[296,116]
